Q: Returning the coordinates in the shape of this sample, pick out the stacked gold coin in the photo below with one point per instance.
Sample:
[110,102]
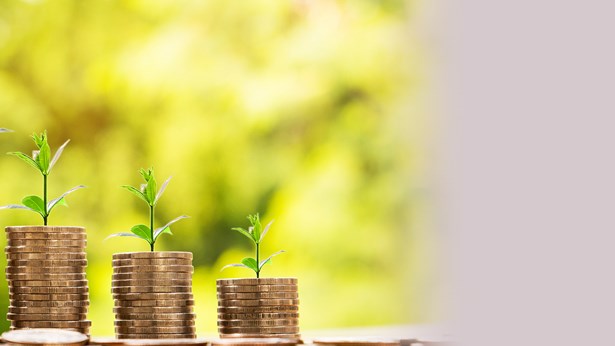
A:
[153,295]
[258,308]
[46,277]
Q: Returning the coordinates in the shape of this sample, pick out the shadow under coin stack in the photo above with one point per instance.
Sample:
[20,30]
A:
[46,277]
[258,308]
[153,295]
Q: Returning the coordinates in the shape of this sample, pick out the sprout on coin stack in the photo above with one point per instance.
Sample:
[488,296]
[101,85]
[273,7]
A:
[257,307]
[152,290]
[46,264]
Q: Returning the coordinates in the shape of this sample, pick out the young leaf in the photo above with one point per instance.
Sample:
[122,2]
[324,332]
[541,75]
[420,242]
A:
[57,155]
[235,265]
[44,153]
[162,188]
[136,192]
[142,232]
[244,232]
[150,190]
[256,227]
[15,206]
[55,201]
[250,263]
[123,234]
[265,231]
[268,259]
[35,203]
[165,228]
[27,159]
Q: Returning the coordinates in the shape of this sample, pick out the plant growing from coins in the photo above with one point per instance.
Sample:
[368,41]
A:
[43,162]
[256,233]
[150,194]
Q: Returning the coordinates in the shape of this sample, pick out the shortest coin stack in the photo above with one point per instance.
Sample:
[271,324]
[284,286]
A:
[46,277]
[258,308]
[153,295]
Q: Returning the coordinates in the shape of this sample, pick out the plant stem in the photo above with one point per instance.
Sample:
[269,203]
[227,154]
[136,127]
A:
[258,271]
[45,199]
[151,226]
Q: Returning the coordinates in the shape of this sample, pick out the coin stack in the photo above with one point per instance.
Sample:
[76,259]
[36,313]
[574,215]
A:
[258,308]
[46,277]
[153,295]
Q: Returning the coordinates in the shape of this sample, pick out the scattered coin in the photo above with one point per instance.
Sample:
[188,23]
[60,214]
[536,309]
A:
[45,337]
[157,254]
[153,268]
[256,288]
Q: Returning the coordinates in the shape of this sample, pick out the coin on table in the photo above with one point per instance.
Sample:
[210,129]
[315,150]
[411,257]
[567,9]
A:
[156,330]
[46,256]
[152,276]
[48,290]
[256,342]
[257,309]
[52,324]
[153,309]
[259,295]
[151,303]
[47,243]
[257,316]
[258,302]
[259,323]
[259,281]
[45,276]
[257,288]
[155,282]
[44,337]
[148,255]
[153,323]
[259,330]
[45,317]
[161,316]
[356,341]
[151,289]
[47,310]
[154,336]
[67,283]
[151,262]
[44,269]
[295,336]
[153,268]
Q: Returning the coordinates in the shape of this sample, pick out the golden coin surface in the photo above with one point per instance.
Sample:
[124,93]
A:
[156,330]
[357,341]
[257,309]
[257,316]
[156,254]
[44,236]
[44,270]
[51,296]
[155,296]
[256,342]
[46,264]
[152,276]
[255,281]
[256,288]
[151,262]
[45,317]
[47,310]
[153,282]
[153,323]
[16,250]
[52,324]
[43,303]
[259,295]
[48,290]
[259,323]
[47,256]
[154,336]
[151,289]
[45,276]
[295,336]
[151,303]
[67,283]
[47,242]
[153,268]
[259,330]
[45,229]
[160,316]
[162,342]
[153,309]
[257,302]
[44,336]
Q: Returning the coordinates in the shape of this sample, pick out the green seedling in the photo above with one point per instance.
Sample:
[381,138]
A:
[42,161]
[256,234]
[150,194]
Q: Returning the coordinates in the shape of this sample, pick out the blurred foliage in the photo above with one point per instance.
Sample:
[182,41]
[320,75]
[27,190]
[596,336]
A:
[308,112]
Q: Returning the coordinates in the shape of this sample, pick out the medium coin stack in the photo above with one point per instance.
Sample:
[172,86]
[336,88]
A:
[46,277]
[258,308]
[153,295]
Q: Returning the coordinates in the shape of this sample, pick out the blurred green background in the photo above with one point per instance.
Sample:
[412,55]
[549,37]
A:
[309,112]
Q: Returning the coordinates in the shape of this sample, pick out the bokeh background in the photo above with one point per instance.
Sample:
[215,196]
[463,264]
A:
[309,112]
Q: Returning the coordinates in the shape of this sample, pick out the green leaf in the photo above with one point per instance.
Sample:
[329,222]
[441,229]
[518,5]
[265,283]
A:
[250,263]
[150,190]
[27,159]
[165,229]
[142,232]
[244,232]
[136,192]
[57,155]
[61,199]
[265,231]
[256,227]
[162,188]
[35,203]
[235,265]
[268,259]
[44,152]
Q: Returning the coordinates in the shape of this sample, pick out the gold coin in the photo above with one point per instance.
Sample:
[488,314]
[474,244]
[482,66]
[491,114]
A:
[50,337]
[257,302]
[156,330]
[153,282]
[46,243]
[47,310]
[254,281]
[346,341]
[153,268]
[154,296]
[51,296]
[173,342]
[259,323]
[45,317]
[153,309]
[151,289]
[45,229]
[50,236]
[43,270]
[78,255]
[257,309]
[156,254]
[154,323]
[257,288]
[259,330]
[52,324]
[235,336]
[259,295]
[46,264]
[14,250]
[43,276]
[160,316]
[152,262]
[151,303]
[154,336]
[152,276]
[48,290]
[74,303]
[256,342]
[257,316]
[67,283]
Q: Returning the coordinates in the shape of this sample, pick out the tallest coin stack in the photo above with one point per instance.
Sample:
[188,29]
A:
[46,277]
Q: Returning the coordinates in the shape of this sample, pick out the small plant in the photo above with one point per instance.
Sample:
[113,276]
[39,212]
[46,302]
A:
[42,161]
[149,194]
[256,234]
